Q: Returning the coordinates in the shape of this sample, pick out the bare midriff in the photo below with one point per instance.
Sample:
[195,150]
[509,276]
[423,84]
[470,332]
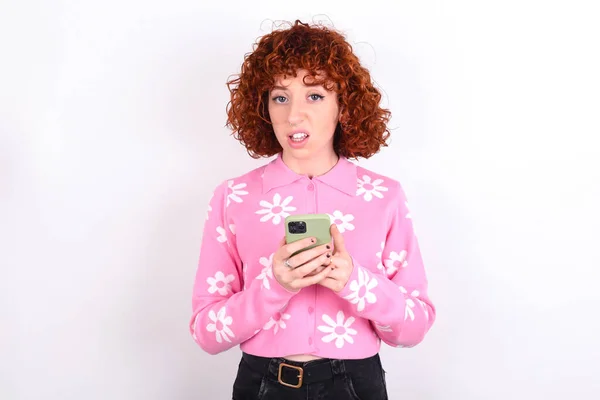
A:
[302,357]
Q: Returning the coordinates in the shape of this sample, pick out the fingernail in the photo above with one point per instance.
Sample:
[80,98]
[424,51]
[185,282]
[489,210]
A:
[312,240]
[328,247]
[328,255]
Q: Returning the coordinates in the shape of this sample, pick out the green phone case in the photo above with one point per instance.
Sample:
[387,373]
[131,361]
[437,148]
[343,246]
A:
[315,225]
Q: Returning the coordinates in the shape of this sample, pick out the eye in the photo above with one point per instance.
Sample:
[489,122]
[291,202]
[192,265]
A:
[279,99]
[316,97]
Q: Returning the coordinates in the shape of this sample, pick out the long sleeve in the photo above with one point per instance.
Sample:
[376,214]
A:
[396,300]
[227,311]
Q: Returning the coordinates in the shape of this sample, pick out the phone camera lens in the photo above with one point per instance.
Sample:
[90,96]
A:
[297,227]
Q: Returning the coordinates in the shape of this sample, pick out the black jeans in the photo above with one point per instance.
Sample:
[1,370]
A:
[260,378]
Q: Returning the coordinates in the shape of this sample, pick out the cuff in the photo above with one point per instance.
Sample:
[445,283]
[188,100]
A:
[276,294]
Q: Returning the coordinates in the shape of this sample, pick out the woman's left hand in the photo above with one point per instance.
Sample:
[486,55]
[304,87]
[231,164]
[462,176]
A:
[342,263]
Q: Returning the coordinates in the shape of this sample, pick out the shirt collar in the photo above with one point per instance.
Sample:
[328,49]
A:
[342,176]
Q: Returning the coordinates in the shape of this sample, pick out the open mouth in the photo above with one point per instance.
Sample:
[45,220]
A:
[298,136]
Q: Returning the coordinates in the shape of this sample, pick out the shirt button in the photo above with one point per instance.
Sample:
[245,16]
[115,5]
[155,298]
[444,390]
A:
[310,310]
[311,187]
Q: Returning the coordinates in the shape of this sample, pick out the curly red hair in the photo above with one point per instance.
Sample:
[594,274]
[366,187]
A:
[362,127]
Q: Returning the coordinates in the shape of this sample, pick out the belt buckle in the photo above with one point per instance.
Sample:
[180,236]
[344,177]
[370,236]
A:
[300,375]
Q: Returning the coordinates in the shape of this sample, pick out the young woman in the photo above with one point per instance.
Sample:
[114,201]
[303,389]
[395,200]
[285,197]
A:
[310,325]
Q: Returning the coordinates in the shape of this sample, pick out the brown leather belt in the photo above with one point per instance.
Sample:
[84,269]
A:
[295,373]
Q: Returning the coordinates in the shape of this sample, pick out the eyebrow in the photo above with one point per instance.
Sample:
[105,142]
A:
[285,88]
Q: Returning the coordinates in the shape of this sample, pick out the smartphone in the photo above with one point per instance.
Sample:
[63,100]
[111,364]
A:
[301,226]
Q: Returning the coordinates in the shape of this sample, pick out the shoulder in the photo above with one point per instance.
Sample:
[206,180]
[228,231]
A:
[388,187]
[249,181]
[250,178]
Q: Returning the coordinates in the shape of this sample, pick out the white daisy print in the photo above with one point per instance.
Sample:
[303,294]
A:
[383,328]
[410,304]
[361,290]
[277,322]
[342,221]
[369,189]
[235,192]
[220,325]
[395,261]
[267,271]
[339,330]
[222,238]
[220,283]
[278,210]
[195,326]
[378,254]
[232,228]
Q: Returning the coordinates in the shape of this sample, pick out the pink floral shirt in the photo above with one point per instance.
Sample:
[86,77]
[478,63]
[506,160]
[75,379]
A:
[237,301]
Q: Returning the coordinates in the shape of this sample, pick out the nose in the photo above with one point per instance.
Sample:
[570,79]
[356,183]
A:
[296,114]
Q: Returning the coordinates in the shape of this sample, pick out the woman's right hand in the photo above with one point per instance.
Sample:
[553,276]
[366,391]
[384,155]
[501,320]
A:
[298,274]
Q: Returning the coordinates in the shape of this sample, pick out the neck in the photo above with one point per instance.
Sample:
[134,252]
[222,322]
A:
[312,166]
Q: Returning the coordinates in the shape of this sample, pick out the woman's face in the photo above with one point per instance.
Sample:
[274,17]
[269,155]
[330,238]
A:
[304,117]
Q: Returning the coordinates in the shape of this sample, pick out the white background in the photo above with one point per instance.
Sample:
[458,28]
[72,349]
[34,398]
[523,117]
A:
[112,132]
